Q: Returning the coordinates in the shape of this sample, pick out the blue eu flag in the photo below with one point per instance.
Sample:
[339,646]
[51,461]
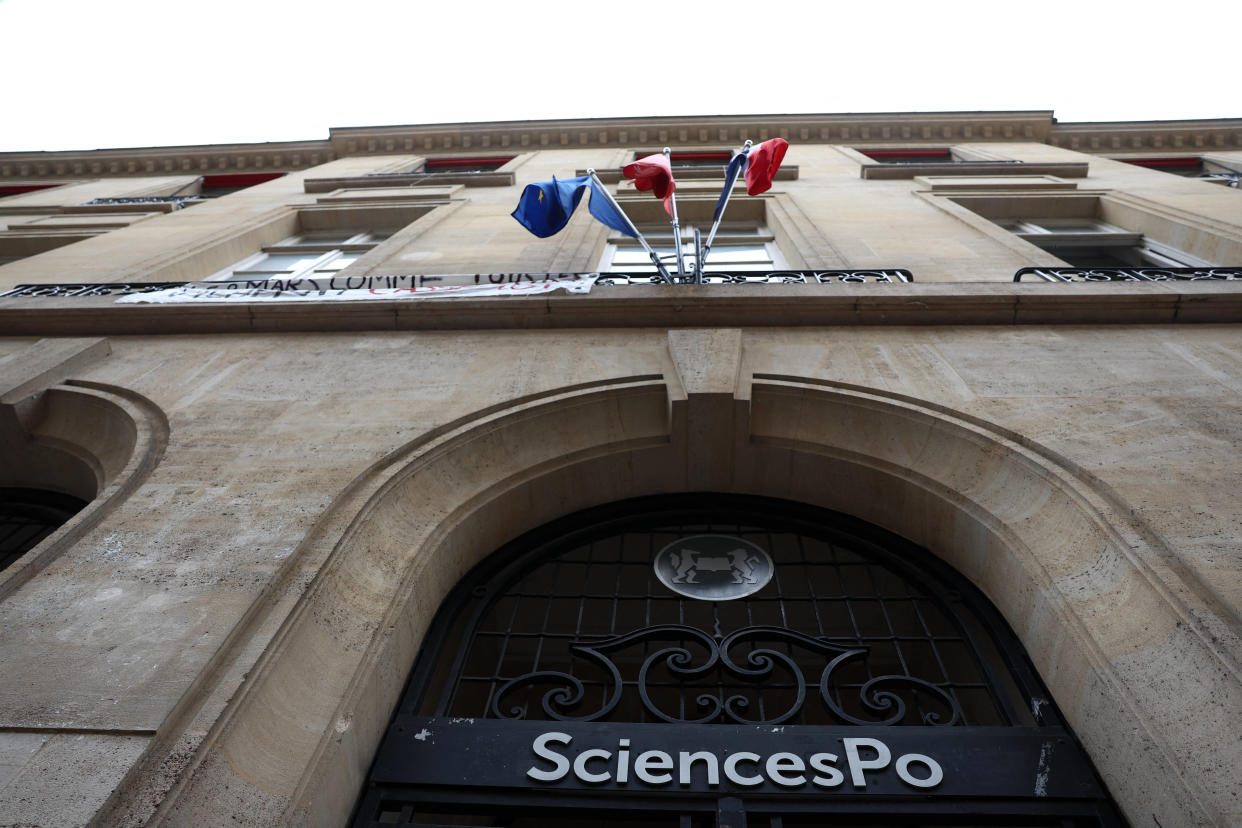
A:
[545,207]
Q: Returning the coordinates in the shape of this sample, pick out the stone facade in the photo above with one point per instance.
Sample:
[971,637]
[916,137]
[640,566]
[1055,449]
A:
[280,494]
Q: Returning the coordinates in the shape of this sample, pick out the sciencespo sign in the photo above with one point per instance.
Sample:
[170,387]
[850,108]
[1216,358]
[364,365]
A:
[759,760]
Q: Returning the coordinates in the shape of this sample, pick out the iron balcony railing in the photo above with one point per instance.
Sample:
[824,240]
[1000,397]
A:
[782,277]
[763,277]
[178,202]
[1131,274]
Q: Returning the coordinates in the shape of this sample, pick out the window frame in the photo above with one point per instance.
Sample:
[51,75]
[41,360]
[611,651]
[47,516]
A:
[660,237]
[316,254]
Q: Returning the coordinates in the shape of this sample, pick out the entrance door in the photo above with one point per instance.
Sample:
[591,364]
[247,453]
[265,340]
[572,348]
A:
[711,660]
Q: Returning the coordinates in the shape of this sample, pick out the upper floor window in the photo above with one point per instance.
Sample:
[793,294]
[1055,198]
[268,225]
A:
[22,189]
[1192,166]
[693,158]
[460,165]
[908,162]
[737,247]
[314,253]
[1090,242]
[214,186]
[911,156]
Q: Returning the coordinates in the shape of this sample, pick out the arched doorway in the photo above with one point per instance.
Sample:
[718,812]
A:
[704,660]
[1069,564]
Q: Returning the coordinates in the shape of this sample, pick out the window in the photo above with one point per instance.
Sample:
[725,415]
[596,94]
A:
[27,516]
[908,162]
[1191,166]
[610,626]
[308,254]
[737,247]
[911,156]
[22,189]
[1089,242]
[460,165]
[692,158]
[215,186]
[1187,166]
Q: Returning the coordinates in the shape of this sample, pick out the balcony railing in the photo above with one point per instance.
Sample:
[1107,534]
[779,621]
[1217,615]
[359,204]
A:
[178,202]
[1131,274]
[769,277]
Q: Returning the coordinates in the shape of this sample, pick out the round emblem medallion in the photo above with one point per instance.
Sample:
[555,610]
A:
[713,567]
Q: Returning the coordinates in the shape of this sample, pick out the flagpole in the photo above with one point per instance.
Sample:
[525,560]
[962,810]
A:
[716,224]
[698,257]
[681,265]
[601,189]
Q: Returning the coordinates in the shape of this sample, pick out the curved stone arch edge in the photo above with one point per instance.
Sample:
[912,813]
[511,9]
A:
[1200,606]
[152,789]
[120,467]
[344,741]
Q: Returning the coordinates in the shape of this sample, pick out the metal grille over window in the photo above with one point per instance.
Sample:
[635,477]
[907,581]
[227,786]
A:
[27,516]
[843,633]
[717,660]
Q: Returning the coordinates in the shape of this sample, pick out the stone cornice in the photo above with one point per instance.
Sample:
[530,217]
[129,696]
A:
[715,130]
[209,159]
[1190,137]
[931,128]
[658,306]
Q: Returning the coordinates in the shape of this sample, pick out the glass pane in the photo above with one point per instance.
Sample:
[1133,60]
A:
[339,263]
[284,263]
[739,253]
[320,237]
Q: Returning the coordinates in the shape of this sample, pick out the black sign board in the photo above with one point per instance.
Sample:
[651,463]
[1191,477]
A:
[715,760]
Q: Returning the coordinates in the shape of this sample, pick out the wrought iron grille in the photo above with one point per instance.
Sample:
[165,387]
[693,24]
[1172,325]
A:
[846,632]
[89,289]
[716,277]
[890,275]
[178,202]
[1131,274]
[27,516]
[857,631]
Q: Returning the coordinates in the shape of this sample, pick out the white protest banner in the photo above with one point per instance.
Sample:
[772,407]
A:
[360,288]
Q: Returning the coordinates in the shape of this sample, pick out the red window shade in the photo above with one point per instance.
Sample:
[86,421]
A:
[448,164]
[723,156]
[236,180]
[907,155]
[1165,163]
[18,189]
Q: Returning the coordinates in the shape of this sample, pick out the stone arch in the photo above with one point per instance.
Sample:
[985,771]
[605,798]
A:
[1137,655]
[91,441]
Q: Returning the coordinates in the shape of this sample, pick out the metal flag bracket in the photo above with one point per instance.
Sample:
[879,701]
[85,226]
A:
[681,264]
[698,262]
[598,187]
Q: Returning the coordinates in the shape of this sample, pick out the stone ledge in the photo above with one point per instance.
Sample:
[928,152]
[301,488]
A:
[673,306]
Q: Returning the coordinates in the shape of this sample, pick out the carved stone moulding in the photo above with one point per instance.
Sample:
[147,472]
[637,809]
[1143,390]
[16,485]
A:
[204,160]
[1149,136]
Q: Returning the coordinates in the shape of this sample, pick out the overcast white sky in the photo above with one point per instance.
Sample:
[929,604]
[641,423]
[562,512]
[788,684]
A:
[83,74]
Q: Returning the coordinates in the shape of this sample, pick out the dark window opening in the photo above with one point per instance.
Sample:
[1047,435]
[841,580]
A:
[911,156]
[579,604]
[458,165]
[693,158]
[27,516]
[19,189]
[215,186]
[1190,166]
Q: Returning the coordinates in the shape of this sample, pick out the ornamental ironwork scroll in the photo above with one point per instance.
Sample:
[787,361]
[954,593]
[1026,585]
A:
[891,275]
[696,655]
[82,289]
[1132,274]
